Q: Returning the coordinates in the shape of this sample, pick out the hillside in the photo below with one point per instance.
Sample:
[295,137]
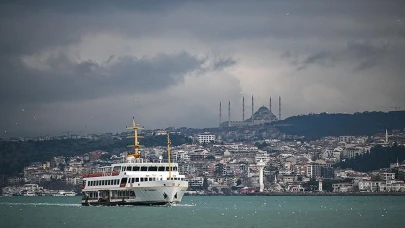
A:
[319,125]
[379,157]
[14,156]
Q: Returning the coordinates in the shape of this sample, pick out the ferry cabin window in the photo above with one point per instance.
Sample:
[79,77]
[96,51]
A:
[141,179]
[135,168]
[129,168]
[137,179]
[144,168]
[124,181]
[150,178]
[117,168]
[161,168]
[153,168]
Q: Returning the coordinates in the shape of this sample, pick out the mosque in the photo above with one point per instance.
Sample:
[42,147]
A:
[263,115]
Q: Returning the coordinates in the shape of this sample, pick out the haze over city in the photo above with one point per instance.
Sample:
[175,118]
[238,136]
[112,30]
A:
[67,65]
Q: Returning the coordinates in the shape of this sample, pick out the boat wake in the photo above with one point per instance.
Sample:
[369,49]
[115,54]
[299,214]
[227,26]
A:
[41,204]
[180,205]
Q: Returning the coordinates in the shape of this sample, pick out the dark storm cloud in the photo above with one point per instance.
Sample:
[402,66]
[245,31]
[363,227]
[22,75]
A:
[67,80]
[362,54]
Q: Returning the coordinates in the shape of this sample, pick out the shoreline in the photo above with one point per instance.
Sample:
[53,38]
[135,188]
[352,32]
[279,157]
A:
[310,194]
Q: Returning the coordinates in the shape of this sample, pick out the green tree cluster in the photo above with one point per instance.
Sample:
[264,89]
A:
[379,157]
[14,156]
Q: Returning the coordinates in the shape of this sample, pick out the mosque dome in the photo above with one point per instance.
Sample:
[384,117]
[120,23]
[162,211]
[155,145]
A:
[264,114]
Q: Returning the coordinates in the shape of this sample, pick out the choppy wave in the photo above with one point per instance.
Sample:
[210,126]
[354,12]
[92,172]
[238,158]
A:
[41,204]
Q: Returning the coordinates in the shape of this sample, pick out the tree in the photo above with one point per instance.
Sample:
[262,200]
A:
[205,183]
[378,157]
[215,189]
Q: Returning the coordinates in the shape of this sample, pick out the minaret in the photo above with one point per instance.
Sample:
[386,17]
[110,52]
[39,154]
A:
[279,108]
[229,114]
[253,105]
[270,104]
[261,166]
[243,108]
[386,136]
[220,113]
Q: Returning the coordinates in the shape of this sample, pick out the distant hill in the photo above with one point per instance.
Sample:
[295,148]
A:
[14,156]
[324,124]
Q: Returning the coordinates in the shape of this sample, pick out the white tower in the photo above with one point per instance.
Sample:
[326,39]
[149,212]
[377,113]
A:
[261,166]
[386,136]
[320,186]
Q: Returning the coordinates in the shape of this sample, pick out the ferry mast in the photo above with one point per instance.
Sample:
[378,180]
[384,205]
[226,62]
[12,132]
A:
[136,153]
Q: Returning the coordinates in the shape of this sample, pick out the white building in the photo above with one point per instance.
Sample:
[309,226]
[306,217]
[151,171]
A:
[206,138]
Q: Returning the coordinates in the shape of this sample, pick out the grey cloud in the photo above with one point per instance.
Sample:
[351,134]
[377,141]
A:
[362,54]
[287,54]
[66,80]
[365,65]
[366,53]
[222,63]
[321,58]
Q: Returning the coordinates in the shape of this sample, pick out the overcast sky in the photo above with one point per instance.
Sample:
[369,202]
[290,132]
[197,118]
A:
[65,65]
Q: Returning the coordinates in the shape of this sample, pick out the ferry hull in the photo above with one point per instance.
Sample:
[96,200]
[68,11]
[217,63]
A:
[143,196]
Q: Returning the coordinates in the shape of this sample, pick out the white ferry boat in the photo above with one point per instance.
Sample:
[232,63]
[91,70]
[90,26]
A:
[135,182]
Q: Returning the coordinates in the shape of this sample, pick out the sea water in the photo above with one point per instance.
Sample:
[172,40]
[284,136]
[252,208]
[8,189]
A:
[209,211]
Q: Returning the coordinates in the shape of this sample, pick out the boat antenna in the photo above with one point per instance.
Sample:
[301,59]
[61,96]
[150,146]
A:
[136,153]
[168,155]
